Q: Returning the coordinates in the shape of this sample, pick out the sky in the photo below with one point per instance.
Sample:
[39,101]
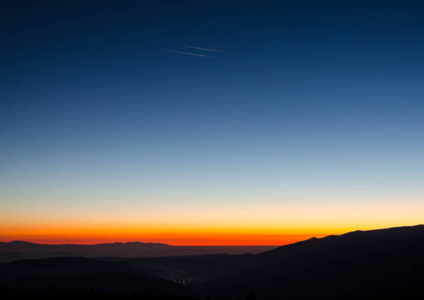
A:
[209,122]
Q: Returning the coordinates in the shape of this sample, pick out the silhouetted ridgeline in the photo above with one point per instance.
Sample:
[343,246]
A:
[377,264]
[19,250]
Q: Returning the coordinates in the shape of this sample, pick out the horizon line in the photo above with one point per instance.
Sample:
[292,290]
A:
[145,243]
[295,238]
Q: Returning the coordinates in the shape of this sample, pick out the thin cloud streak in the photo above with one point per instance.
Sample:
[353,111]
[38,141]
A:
[205,49]
[192,54]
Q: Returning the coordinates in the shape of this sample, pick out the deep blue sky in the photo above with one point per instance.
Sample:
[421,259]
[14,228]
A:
[309,104]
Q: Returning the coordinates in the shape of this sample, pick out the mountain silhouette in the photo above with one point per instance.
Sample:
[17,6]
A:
[376,264]
[18,250]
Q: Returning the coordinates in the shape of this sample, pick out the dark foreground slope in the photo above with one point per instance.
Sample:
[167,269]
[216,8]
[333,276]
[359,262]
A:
[378,264]
[83,274]
[375,264]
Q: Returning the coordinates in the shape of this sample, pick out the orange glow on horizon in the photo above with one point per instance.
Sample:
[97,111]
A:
[247,227]
[62,233]
[174,241]
[177,237]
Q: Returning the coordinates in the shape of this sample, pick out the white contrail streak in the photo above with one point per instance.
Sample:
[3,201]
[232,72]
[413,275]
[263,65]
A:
[204,49]
[189,53]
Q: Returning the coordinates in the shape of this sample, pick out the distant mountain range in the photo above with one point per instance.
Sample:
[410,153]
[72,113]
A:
[18,250]
[378,264]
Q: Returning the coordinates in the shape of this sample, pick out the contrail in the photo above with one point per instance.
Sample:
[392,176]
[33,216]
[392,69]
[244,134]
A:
[189,53]
[204,49]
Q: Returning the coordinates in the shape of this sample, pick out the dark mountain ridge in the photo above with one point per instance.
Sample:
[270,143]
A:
[354,265]
[18,250]
[376,264]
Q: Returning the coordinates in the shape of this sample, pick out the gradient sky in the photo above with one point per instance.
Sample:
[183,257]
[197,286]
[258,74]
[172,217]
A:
[307,120]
